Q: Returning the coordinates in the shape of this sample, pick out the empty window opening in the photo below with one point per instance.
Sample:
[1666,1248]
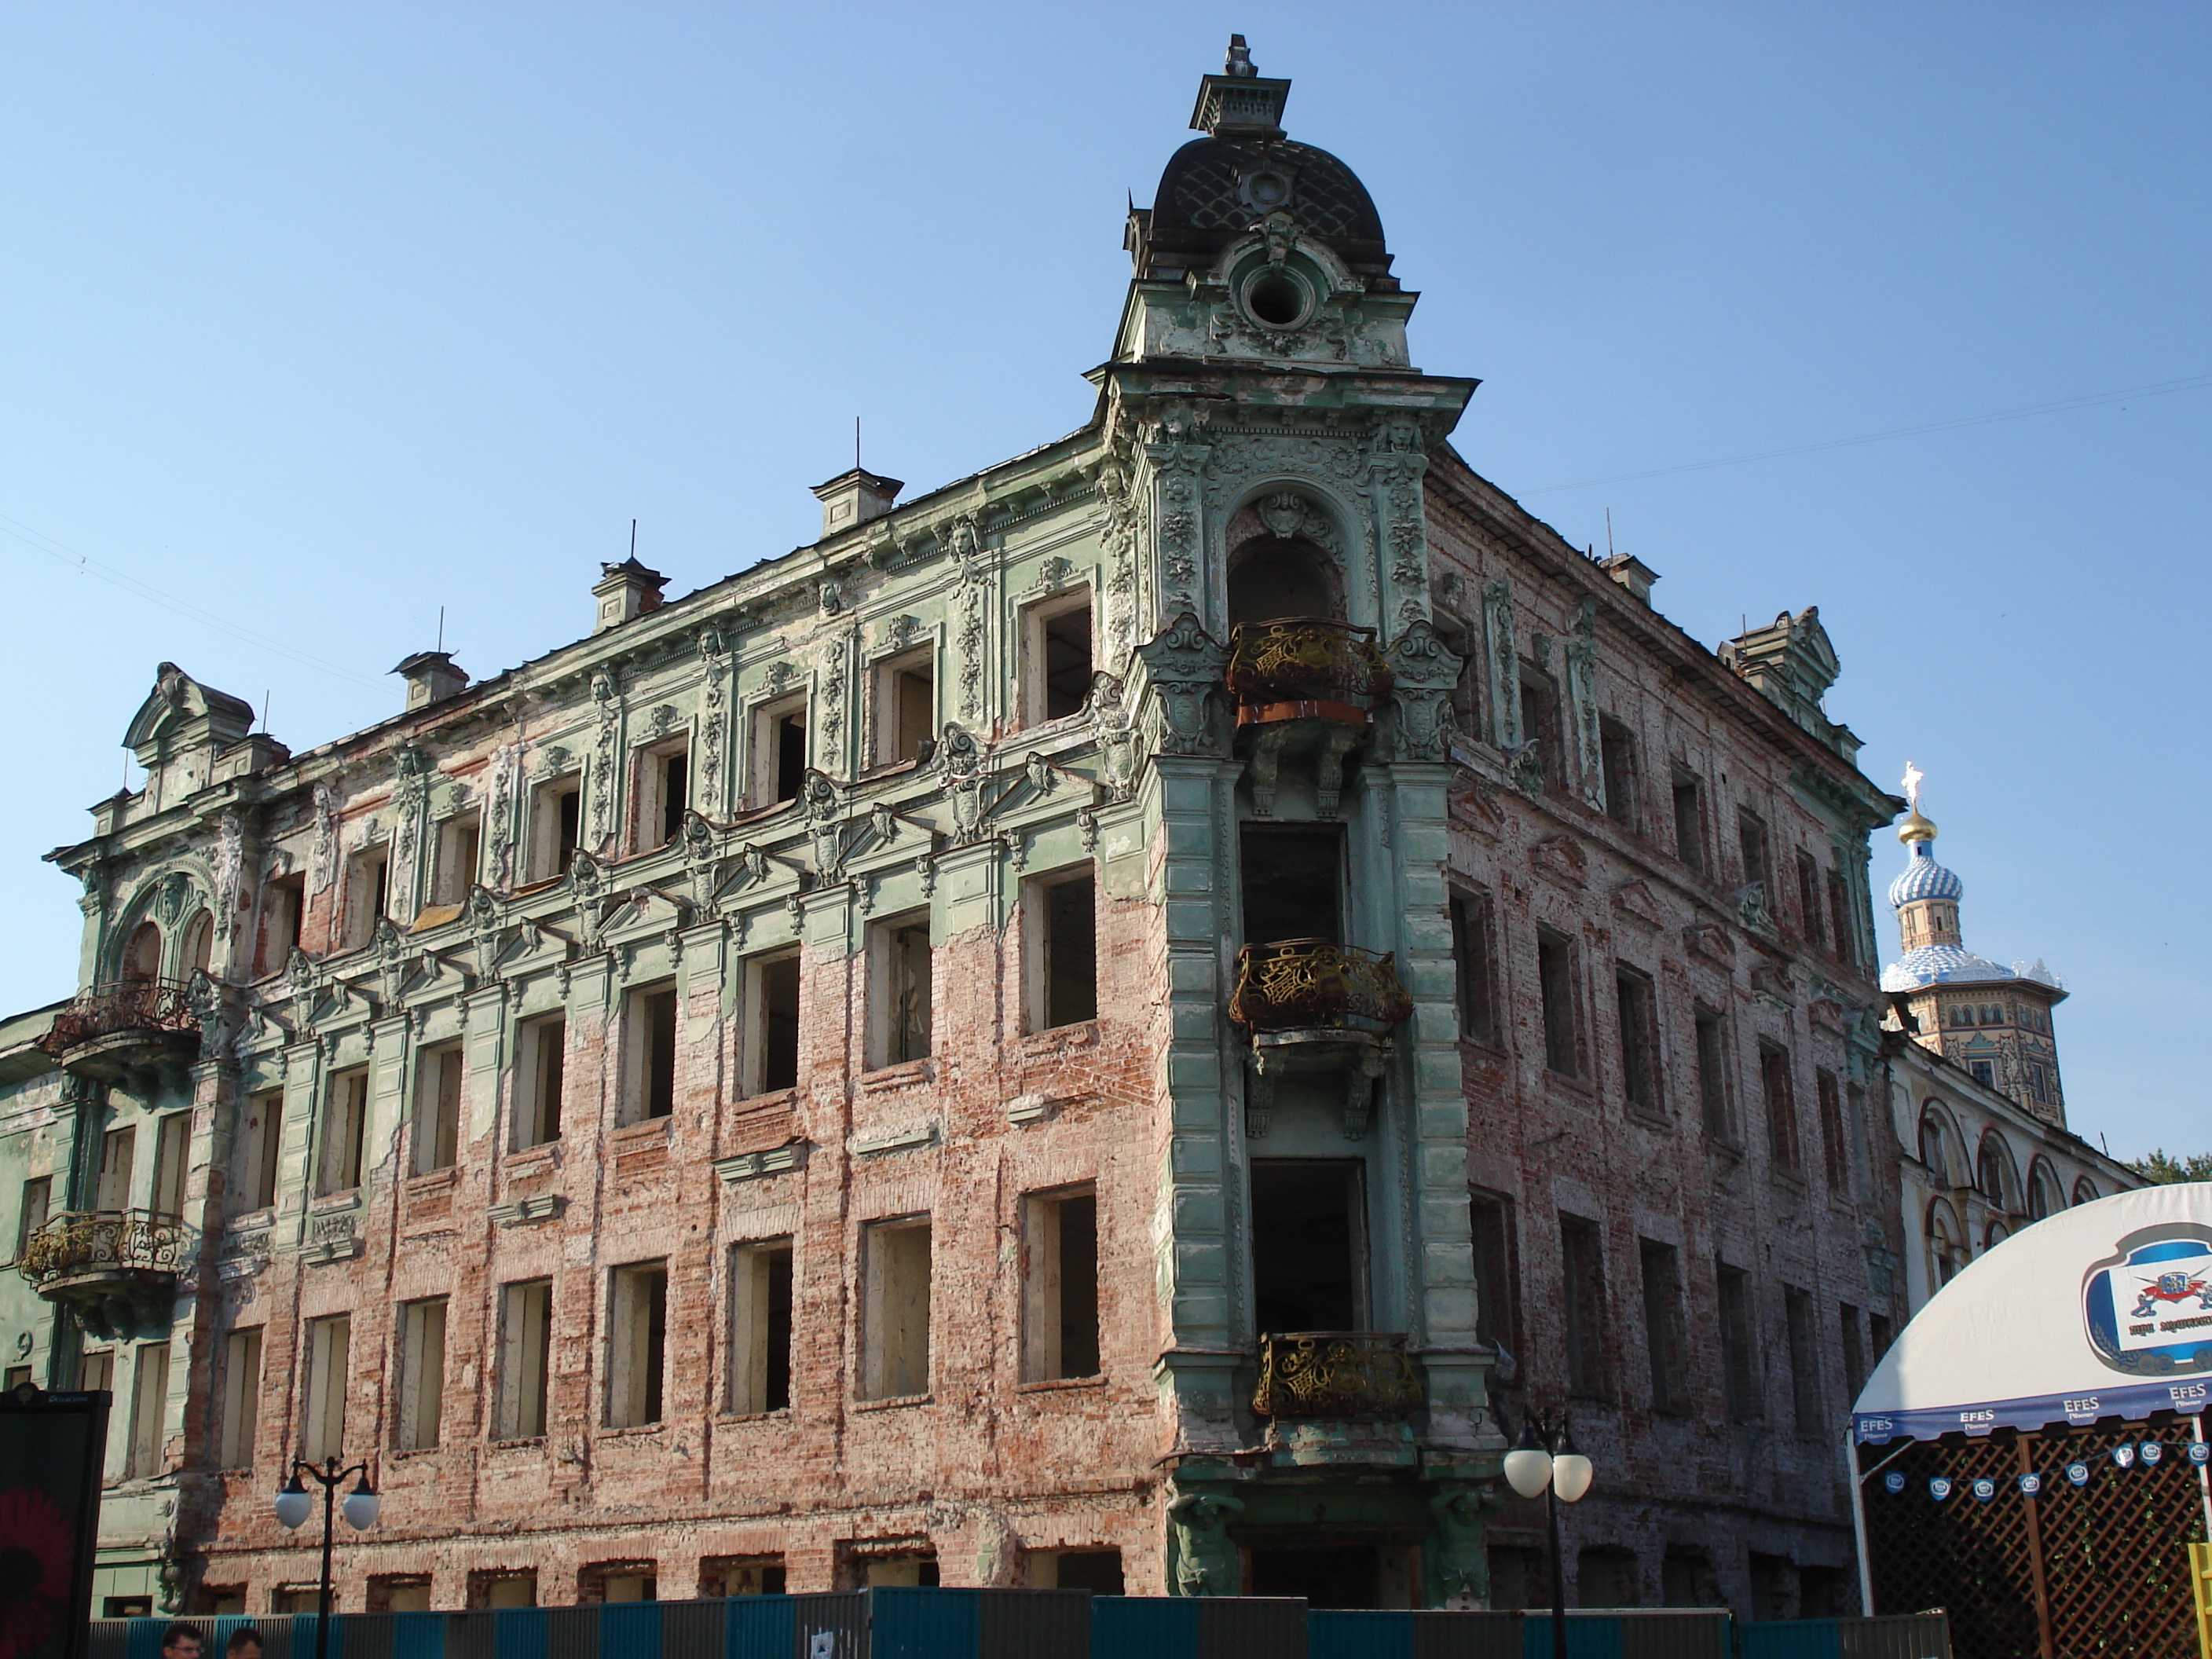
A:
[1841,930]
[664,794]
[150,1411]
[906,706]
[284,909]
[172,1146]
[1057,644]
[908,1570]
[556,819]
[1804,1360]
[1639,1058]
[1809,901]
[346,1130]
[741,1575]
[1738,1355]
[97,1372]
[1309,1245]
[37,1203]
[367,892]
[242,1399]
[499,1590]
[1293,884]
[1555,981]
[638,1344]
[903,990]
[1751,842]
[460,846]
[1474,956]
[199,943]
[1712,1074]
[323,1401]
[760,1327]
[117,1153]
[1062,1292]
[649,1054]
[779,750]
[1606,1576]
[1063,915]
[1855,1367]
[895,1309]
[772,1030]
[1273,581]
[526,1317]
[398,1593]
[1098,1571]
[619,1581]
[438,1108]
[1774,1084]
[538,1082]
[421,1372]
[1496,1276]
[142,956]
[1540,725]
[1689,820]
[1834,1157]
[1664,1339]
[1616,756]
[1687,1579]
[1582,1275]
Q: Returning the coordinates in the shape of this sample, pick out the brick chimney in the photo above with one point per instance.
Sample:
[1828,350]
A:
[432,677]
[627,589]
[854,497]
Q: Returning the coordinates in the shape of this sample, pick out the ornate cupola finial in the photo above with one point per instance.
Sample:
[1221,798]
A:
[1915,829]
[1238,102]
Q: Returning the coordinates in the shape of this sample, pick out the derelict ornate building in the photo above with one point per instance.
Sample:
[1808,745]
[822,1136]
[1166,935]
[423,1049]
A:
[1087,1027]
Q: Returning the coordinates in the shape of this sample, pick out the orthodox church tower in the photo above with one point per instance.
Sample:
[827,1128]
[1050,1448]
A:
[1994,1021]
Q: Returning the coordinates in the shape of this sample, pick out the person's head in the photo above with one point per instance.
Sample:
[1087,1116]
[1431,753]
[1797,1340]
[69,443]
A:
[245,1643]
[182,1641]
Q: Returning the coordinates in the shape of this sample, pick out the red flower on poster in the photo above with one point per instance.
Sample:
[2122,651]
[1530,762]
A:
[34,1569]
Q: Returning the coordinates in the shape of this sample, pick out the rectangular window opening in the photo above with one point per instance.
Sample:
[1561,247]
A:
[1774,1083]
[259,1148]
[1839,919]
[421,1372]
[323,1405]
[1474,955]
[1496,1274]
[1855,1367]
[772,1027]
[638,1340]
[664,794]
[1689,820]
[242,1399]
[1751,844]
[1617,753]
[538,1082]
[1835,1155]
[906,706]
[438,1108]
[1809,902]
[895,1309]
[526,1316]
[1639,1061]
[117,1153]
[172,1146]
[1308,1245]
[1555,981]
[1293,882]
[1540,726]
[367,894]
[779,750]
[1739,1357]
[31,1215]
[1712,1076]
[150,1410]
[460,846]
[284,911]
[1062,1288]
[1804,1361]
[760,1327]
[1581,1268]
[557,809]
[1063,912]
[649,1054]
[902,972]
[1056,645]
[1664,1335]
[345,1131]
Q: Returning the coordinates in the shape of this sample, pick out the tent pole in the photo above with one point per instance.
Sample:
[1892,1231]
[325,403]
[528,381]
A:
[1858,1524]
[2203,1475]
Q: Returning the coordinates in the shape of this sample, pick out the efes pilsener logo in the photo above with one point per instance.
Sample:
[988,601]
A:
[2148,1306]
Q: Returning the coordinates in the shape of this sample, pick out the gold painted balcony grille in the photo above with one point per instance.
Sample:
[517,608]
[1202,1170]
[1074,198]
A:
[159,1005]
[1300,984]
[1302,667]
[1335,1374]
[78,1242]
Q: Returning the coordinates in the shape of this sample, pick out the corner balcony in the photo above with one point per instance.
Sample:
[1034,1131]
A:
[1304,684]
[116,1270]
[1343,1376]
[112,1030]
[1313,1006]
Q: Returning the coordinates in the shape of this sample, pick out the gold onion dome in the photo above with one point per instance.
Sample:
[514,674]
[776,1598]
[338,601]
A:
[1916,828]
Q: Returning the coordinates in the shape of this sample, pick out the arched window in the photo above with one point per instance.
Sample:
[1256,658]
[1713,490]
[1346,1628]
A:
[199,943]
[1996,1234]
[2044,1195]
[1996,1176]
[2085,1191]
[142,956]
[1270,579]
[1946,1245]
[1936,1145]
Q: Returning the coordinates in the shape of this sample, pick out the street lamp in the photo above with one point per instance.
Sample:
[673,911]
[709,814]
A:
[295,1504]
[1544,1460]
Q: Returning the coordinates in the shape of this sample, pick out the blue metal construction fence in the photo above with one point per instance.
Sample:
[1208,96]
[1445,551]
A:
[992,1624]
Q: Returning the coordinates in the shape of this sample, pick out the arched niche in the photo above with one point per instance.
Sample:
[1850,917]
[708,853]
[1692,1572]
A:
[1274,577]
[200,945]
[140,962]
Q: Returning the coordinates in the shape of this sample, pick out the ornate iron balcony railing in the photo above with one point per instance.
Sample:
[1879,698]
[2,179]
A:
[1298,984]
[162,1005]
[1303,667]
[82,1244]
[1335,1374]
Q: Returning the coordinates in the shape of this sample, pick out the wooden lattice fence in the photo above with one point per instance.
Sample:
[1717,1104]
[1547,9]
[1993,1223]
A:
[2098,1570]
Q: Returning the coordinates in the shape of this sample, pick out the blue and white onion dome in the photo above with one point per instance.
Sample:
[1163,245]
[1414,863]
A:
[1922,877]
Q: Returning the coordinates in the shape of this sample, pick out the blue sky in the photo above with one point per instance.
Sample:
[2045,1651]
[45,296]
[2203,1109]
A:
[316,319]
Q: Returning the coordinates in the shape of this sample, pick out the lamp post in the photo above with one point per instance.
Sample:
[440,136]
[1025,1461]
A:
[293,1505]
[1544,1460]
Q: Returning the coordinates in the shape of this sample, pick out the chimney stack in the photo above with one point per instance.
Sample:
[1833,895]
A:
[1631,572]
[854,497]
[432,677]
[627,589]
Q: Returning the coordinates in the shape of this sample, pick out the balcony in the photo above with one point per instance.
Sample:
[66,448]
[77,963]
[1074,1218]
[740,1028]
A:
[112,1030]
[1312,1006]
[116,1270]
[1304,684]
[1341,1376]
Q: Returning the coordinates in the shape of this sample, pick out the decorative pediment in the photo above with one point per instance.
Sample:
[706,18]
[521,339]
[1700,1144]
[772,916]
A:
[1560,858]
[1772,979]
[180,708]
[1635,900]
[1829,1015]
[1477,808]
[1712,942]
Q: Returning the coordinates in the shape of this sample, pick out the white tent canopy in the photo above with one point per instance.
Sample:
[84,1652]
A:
[2103,1311]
